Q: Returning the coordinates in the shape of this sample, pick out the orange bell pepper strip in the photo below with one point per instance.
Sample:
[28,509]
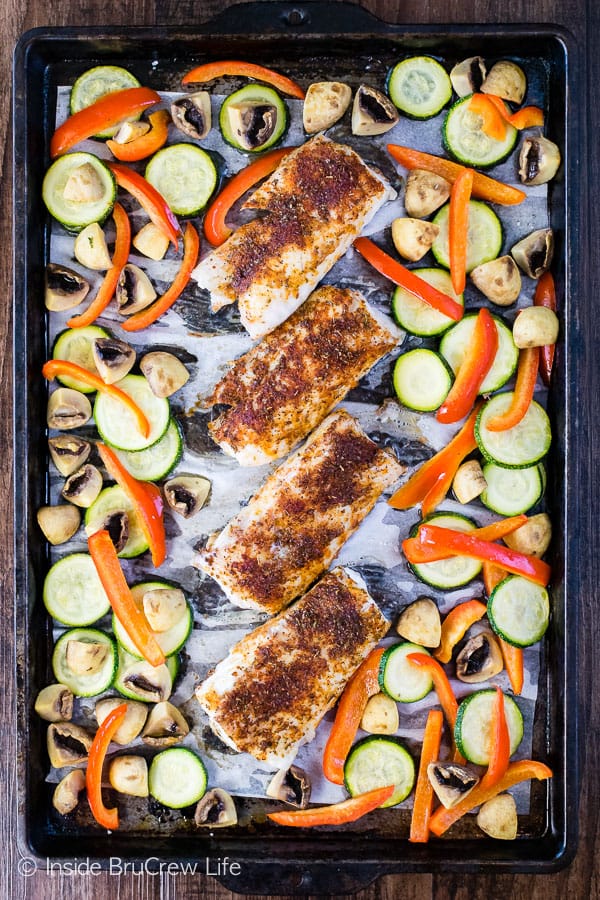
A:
[523,770]
[493,575]
[363,685]
[108,818]
[101,115]
[513,656]
[407,279]
[53,368]
[477,361]
[149,199]
[458,229]
[146,144]
[545,295]
[527,117]
[527,370]
[336,814]
[211,70]
[455,626]
[107,289]
[145,499]
[103,553]
[145,317]
[215,229]
[484,187]
[415,552]
[499,744]
[442,686]
[430,752]
[494,122]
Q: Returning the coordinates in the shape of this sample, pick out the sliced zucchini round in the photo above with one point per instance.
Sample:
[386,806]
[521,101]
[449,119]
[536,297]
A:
[253,118]
[158,460]
[519,611]
[185,176]
[455,571]
[455,343]
[399,678]
[417,317]
[519,447]
[111,500]
[511,492]
[96,83]
[76,345]
[421,379]
[419,86]
[75,215]
[473,728]
[94,683]
[465,140]
[377,761]
[177,778]
[73,593]
[169,641]
[484,236]
[117,425]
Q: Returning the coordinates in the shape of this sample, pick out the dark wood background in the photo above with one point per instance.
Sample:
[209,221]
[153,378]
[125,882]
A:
[581,880]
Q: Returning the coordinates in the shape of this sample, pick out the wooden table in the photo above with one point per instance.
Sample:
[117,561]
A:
[581,880]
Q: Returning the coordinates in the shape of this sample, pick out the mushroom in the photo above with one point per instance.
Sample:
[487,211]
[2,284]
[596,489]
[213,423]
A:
[131,131]
[469,481]
[67,791]
[216,809]
[129,775]
[291,786]
[148,683]
[532,538]
[380,715]
[507,80]
[83,486]
[165,726]
[498,817]
[187,494]
[134,290]
[468,76]
[68,744]
[534,253]
[499,280]
[539,160]
[451,782]
[413,238]
[86,657]
[325,103]
[132,724]
[164,372]
[479,659]
[117,525]
[114,359]
[151,241]
[372,112]
[68,452]
[55,703]
[90,248]
[424,193]
[252,122]
[535,326]
[59,523]
[164,607]
[83,185]
[67,409]
[192,114]
[420,623]
[64,288]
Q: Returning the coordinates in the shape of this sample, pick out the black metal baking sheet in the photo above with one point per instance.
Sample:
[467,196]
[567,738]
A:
[307,41]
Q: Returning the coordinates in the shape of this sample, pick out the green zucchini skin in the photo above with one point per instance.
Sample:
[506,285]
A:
[376,761]
[75,216]
[474,722]
[419,87]
[519,611]
[177,778]
[256,94]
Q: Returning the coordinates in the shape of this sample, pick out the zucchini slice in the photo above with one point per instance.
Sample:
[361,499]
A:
[185,176]
[96,83]
[111,500]
[511,492]
[401,680]
[253,118]
[484,236]
[455,571]
[418,317]
[73,593]
[456,340]
[169,641]
[465,141]
[422,379]
[76,345]
[75,215]
[473,728]
[519,611]
[158,460]
[519,447]
[419,86]
[177,778]
[117,425]
[94,683]
[377,761]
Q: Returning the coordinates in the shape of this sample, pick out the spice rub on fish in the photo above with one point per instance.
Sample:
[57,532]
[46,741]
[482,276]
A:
[315,204]
[267,697]
[283,387]
[294,526]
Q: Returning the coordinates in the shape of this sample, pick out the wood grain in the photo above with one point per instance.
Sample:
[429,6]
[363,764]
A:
[580,881]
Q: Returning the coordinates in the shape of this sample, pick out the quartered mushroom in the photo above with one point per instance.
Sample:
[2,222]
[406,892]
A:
[64,288]
[413,237]
[534,253]
[424,193]
[539,160]
[59,523]
[192,114]
[83,185]
[216,809]
[117,525]
[67,409]
[55,703]
[164,372]
[68,744]
[68,452]
[165,726]
[90,248]
[132,724]
[498,817]
[535,326]
[134,290]
[507,80]
[499,280]
[253,122]
[468,76]
[372,112]
[187,494]
[114,359]
[420,623]
[86,657]
[451,782]
[129,775]
[151,241]
[67,792]
[149,683]
[131,131]
[479,659]
[469,481]
[164,607]
[380,715]
[291,786]
[532,538]
[325,103]
[83,486]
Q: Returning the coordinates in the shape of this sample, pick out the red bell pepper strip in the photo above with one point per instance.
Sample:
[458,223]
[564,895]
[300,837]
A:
[523,393]
[484,187]
[439,470]
[145,501]
[523,770]
[458,229]
[499,744]
[430,752]
[407,279]
[415,552]
[363,685]
[215,229]
[545,295]
[145,317]
[108,818]
[53,368]
[478,360]
[109,284]
[455,626]
[103,553]
[211,70]
[527,117]
[336,814]
[149,199]
[513,656]
[463,544]
[101,115]
[494,121]
[442,686]
[146,144]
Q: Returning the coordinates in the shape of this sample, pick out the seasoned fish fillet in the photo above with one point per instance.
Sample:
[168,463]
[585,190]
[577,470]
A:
[294,526]
[267,697]
[319,203]
[282,388]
